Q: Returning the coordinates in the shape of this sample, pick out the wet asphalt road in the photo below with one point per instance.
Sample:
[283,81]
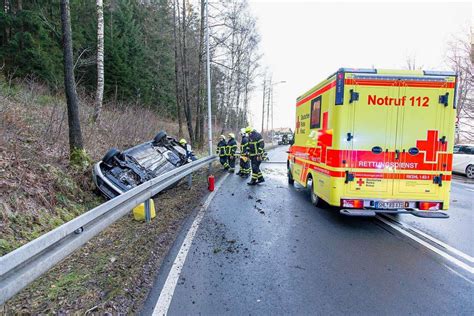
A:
[266,250]
[458,230]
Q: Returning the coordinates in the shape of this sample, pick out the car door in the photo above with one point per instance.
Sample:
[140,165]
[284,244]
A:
[457,158]
[461,159]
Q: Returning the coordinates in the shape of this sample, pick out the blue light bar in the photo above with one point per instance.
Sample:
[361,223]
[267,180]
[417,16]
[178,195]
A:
[438,73]
[359,70]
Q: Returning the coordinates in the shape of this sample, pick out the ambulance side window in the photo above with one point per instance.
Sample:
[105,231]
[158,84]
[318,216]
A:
[315,113]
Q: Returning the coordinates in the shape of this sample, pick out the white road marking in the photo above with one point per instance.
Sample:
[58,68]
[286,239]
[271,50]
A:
[443,254]
[166,295]
[435,240]
[457,273]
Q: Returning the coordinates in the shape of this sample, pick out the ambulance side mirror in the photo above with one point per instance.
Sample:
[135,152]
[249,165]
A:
[292,141]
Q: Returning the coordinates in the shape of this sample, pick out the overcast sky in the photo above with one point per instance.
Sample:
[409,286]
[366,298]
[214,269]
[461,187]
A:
[305,41]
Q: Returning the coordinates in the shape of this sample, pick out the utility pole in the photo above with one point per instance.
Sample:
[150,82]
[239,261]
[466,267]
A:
[268,105]
[263,104]
[271,104]
[271,96]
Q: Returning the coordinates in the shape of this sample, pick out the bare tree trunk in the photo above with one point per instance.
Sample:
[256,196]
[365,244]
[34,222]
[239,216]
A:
[237,101]
[19,8]
[75,135]
[199,130]
[187,106]
[268,104]
[100,61]
[246,96]
[176,71]
[6,30]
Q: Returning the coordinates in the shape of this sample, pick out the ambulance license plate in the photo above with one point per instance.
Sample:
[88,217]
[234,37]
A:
[389,205]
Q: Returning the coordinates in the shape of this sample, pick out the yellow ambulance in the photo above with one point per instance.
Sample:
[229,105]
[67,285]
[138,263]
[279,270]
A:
[377,141]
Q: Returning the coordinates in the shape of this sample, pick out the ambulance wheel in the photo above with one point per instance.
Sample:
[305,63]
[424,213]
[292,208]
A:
[315,200]
[470,171]
[290,177]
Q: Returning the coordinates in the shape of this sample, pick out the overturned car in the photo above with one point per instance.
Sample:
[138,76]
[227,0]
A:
[118,171]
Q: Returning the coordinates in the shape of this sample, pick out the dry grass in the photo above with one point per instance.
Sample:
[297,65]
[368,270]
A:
[38,189]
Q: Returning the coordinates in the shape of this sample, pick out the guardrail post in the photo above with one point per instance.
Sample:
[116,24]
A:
[190,180]
[209,171]
[147,211]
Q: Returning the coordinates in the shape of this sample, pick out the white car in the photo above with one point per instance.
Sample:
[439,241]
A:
[463,159]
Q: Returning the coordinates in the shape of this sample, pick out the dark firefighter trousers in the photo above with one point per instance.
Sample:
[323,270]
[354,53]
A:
[256,172]
[224,162]
[231,160]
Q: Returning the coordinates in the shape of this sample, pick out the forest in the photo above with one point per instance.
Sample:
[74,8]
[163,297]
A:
[141,53]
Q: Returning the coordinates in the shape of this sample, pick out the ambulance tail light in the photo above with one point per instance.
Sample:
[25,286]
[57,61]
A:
[352,203]
[429,206]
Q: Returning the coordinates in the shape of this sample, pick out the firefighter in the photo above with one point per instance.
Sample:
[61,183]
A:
[231,150]
[244,161]
[255,150]
[189,153]
[221,151]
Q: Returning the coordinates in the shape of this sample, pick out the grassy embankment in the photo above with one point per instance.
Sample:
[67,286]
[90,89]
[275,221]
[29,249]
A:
[39,191]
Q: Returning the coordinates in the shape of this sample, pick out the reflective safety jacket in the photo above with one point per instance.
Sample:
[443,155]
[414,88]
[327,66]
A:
[231,147]
[256,144]
[244,145]
[221,148]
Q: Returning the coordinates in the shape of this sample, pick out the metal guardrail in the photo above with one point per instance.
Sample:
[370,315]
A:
[25,264]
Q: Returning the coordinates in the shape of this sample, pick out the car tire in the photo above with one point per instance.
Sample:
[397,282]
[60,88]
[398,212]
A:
[110,155]
[470,171]
[315,200]
[159,137]
[290,177]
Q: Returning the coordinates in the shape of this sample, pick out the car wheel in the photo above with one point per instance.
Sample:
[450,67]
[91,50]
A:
[290,177]
[159,137]
[110,155]
[315,200]
[470,171]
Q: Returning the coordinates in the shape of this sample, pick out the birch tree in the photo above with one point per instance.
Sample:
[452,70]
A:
[100,60]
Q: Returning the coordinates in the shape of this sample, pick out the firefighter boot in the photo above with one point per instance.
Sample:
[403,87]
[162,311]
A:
[260,180]
[252,182]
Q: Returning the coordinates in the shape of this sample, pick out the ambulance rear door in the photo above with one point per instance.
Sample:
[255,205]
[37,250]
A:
[370,138]
[424,129]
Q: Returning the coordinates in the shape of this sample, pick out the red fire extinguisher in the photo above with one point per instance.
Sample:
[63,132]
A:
[210,181]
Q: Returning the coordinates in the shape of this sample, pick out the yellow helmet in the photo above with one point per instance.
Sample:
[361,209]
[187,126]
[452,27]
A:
[231,135]
[248,129]
[183,141]
[222,137]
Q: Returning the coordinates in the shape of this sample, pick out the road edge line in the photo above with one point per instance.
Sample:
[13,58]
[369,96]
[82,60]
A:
[443,254]
[166,295]
[435,240]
